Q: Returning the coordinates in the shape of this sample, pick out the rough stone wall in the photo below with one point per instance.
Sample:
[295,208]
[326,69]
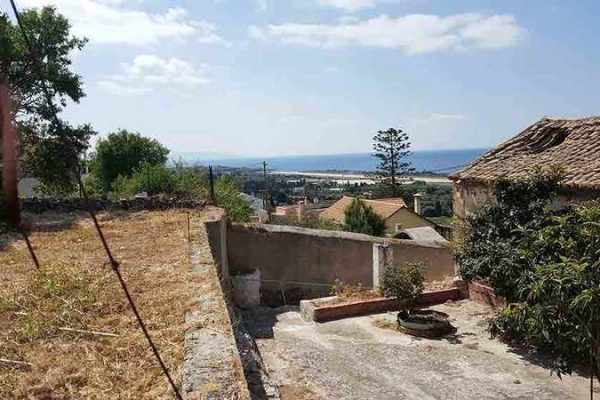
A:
[159,202]
[292,254]
[468,196]
[212,366]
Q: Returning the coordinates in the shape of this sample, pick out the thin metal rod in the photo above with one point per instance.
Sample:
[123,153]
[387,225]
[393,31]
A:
[115,267]
[30,248]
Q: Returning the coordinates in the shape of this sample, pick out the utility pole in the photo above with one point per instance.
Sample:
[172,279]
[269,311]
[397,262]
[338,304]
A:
[9,155]
[211,179]
[267,193]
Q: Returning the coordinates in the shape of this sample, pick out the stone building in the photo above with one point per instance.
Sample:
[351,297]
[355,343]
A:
[572,144]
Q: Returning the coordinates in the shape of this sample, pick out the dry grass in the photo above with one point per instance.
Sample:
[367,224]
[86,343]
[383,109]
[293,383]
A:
[77,290]
[346,292]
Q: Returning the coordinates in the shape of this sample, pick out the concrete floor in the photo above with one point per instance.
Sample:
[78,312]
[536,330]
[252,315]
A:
[358,359]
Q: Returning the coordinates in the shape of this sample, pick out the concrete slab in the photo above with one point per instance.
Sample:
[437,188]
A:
[367,358]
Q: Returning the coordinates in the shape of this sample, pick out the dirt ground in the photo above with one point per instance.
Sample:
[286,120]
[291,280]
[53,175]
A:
[76,290]
[368,358]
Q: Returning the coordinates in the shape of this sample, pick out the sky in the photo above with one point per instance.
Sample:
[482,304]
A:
[295,77]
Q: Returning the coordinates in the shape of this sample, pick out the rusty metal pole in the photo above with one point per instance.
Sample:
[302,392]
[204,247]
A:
[9,156]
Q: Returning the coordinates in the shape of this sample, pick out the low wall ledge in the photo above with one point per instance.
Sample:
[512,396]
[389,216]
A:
[269,228]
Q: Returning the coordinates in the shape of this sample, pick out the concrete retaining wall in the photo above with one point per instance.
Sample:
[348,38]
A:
[293,254]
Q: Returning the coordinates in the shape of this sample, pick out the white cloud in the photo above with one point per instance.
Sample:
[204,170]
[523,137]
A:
[348,5]
[109,22]
[412,34]
[148,72]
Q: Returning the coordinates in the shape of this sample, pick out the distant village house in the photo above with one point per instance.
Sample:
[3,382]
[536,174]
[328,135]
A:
[573,144]
[394,212]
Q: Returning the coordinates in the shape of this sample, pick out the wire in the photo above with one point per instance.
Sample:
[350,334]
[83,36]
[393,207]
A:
[113,262]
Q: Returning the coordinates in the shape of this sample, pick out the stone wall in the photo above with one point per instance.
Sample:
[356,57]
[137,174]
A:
[39,205]
[468,196]
[212,366]
[307,261]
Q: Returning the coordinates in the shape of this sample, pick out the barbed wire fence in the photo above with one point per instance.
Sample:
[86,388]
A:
[115,265]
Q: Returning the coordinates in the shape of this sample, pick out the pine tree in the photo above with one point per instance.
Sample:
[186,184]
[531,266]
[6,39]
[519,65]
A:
[392,147]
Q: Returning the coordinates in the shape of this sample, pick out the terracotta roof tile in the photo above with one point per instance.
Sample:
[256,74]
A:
[383,207]
[574,144]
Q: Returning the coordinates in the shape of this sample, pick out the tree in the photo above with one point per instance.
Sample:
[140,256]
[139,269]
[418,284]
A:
[391,147]
[361,218]
[121,153]
[51,147]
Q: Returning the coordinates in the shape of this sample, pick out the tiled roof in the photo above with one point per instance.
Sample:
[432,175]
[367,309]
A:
[385,208]
[573,144]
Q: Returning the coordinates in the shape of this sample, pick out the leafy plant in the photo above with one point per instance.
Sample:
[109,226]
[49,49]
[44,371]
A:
[546,261]
[228,196]
[123,153]
[404,282]
[51,148]
[152,179]
[495,243]
[361,218]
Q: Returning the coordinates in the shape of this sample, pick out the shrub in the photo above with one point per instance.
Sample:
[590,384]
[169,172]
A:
[495,244]
[122,153]
[546,261]
[190,183]
[152,179]
[361,218]
[559,313]
[227,194]
[404,282]
[92,185]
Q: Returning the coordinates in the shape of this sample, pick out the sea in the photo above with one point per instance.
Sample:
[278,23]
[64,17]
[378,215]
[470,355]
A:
[437,161]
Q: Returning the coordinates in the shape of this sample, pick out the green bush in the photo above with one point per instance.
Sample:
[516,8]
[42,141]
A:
[546,261]
[93,186]
[152,179]
[190,183]
[361,218]
[559,313]
[495,244]
[122,153]
[404,282]
[227,194]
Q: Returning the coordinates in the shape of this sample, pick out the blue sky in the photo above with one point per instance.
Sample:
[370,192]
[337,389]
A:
[280,77]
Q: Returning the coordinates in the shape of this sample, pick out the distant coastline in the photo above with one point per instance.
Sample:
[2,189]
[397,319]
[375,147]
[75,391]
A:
[442,162]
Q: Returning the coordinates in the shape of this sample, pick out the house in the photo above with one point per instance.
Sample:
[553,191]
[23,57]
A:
[394,212]
[573,144]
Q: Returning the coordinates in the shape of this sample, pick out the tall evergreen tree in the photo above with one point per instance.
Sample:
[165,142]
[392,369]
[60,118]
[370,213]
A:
[392,147]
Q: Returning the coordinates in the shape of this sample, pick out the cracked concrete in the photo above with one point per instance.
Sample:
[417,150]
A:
[367,358]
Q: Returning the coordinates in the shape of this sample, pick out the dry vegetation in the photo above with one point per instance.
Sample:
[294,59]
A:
[76,290]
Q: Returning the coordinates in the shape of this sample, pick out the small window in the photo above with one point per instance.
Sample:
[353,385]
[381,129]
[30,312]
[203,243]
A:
[398,227]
